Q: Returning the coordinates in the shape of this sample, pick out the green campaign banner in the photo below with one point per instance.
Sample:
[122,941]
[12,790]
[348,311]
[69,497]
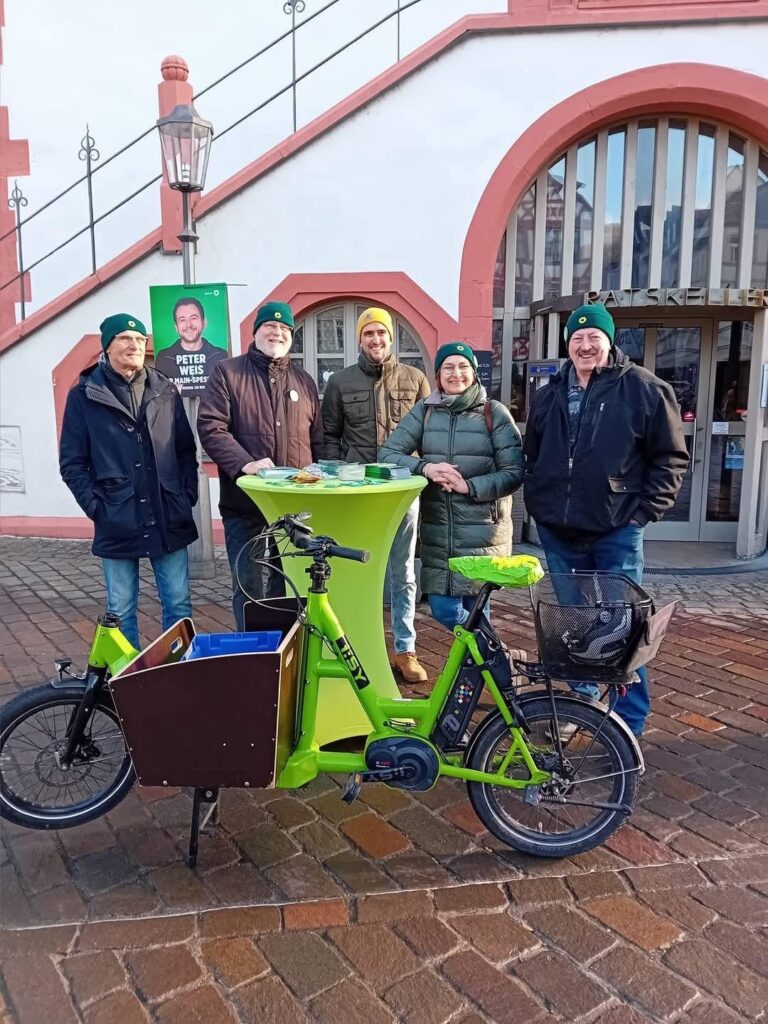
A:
[190,332]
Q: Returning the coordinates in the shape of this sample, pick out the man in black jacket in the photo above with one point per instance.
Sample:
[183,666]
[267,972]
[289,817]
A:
[127,453]
[605,455]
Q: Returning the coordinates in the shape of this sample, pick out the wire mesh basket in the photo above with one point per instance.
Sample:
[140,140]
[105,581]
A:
[589,625]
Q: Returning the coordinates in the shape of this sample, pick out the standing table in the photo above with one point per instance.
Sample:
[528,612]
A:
[360,515]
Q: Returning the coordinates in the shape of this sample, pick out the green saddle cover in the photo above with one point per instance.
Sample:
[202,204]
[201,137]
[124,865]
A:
[509,571]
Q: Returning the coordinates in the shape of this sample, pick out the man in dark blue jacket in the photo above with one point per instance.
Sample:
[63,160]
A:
[605,455]
[127,453]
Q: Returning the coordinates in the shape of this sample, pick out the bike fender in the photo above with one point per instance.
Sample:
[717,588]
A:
[583,699]
[62,684]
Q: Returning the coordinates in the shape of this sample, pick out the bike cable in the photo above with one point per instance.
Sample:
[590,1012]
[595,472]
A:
[273,564]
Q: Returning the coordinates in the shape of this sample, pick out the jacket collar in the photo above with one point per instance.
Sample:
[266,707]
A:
[372,369]
[266,364]
[436,398]
[94,384]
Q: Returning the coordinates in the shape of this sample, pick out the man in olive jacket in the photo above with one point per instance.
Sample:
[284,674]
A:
[605,455]
[127,453]
[362,405]
[258,410]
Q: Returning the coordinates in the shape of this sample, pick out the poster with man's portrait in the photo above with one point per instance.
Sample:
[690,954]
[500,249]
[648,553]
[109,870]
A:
[190,332]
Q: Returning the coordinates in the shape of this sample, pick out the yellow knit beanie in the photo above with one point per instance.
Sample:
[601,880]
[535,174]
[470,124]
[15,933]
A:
[374,315]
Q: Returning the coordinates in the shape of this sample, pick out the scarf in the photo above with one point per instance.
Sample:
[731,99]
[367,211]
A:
[474,395]
[129,393]
[267,365]
[367,365]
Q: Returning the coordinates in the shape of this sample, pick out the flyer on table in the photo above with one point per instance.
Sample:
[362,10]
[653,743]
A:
[190,332]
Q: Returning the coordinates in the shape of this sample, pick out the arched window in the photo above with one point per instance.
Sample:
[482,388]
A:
[324,341]
[664,202]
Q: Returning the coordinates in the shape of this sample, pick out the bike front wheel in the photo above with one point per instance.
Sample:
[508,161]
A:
[35,791]
[594,780]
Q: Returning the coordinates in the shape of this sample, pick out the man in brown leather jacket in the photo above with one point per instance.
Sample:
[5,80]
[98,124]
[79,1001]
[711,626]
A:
[258,410]
[362,405]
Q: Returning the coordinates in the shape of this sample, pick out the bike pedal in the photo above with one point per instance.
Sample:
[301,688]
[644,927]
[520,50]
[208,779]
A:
[351,791]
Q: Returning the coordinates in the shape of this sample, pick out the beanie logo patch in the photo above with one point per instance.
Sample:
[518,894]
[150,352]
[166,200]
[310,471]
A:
[582,319]
[131,323]
[278,315]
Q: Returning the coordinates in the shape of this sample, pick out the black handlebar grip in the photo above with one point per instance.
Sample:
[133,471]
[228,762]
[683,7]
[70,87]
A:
[354,554]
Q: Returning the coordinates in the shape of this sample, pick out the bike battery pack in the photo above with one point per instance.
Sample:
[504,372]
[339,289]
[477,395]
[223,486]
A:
[460,706]
[458,710]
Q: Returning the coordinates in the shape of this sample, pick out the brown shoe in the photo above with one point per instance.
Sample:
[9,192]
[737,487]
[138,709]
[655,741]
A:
[409,668]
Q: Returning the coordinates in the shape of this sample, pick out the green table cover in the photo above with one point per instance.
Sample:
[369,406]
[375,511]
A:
[364,514]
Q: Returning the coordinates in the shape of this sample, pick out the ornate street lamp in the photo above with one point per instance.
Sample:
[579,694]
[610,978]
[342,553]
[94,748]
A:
[185,138]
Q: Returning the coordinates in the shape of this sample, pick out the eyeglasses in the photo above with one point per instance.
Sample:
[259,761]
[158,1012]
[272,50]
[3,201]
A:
[456,371]
[130,337]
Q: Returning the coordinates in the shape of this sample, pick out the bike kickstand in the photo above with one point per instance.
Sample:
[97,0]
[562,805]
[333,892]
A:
[201,796]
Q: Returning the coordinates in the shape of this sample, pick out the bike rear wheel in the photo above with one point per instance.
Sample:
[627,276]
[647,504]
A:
[599,767]
[34,790]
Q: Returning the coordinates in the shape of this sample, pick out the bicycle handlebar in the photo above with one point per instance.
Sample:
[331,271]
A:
[354,554]
[328,547]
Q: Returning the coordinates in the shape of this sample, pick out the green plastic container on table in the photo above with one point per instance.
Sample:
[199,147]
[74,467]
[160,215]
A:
[364,514]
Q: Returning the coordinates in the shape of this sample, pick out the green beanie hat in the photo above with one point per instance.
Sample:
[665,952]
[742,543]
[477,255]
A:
[454,348]
[279,311]
[116,324]
[591,316]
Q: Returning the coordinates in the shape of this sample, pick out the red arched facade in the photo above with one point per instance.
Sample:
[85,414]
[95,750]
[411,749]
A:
[718,93]
[393,290]
[703,90]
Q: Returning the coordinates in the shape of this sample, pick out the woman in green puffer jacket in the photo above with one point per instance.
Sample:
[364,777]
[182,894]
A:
[470,451]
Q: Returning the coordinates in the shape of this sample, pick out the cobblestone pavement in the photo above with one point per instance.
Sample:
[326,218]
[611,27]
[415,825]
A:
[401,907]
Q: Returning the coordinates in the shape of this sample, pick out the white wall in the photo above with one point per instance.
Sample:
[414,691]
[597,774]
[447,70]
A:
[26,390]
[393,188]
[81,61]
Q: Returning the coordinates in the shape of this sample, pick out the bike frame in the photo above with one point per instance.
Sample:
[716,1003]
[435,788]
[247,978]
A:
[389,717]
[110,652]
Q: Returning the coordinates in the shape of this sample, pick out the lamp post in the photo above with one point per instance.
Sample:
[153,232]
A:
[185,138]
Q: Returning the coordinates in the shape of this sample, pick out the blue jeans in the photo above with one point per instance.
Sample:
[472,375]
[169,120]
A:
[402,580]
[121,576]
[620,551]
[454,611]
[251,580]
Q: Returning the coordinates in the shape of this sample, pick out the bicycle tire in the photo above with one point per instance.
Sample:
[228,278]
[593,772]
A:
[21,759]
[531,838]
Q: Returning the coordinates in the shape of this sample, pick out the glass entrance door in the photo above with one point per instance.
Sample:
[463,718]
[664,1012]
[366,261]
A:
[726,429]
[707,365]
[679,354]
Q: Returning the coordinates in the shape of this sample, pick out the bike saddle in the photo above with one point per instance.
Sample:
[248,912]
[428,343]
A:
[506,571]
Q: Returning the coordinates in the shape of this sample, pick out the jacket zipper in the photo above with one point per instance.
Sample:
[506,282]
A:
[448,501]
[564,410]
[597,422]
[584,405]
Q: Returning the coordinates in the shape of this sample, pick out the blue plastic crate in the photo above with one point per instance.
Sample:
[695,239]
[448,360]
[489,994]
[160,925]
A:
[212,645]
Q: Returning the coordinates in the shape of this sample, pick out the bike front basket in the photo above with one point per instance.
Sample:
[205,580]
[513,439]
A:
[589,625]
